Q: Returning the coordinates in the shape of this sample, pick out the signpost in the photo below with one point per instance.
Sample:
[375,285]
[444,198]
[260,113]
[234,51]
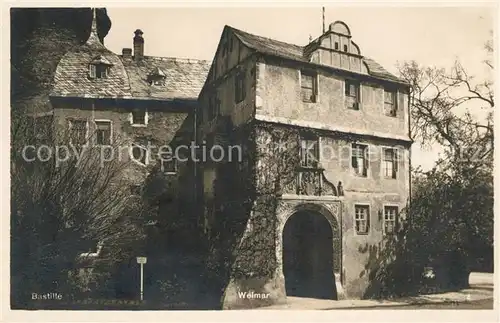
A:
[142,261]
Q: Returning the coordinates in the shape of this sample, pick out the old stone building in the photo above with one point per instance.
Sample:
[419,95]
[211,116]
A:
[324,171]
[132,100]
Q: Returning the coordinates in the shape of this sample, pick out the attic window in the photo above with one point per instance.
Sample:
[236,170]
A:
[157,77]
[99,67]
[345,48]
[336,45]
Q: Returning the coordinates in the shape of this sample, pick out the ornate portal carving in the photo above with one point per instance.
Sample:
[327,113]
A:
[310,181]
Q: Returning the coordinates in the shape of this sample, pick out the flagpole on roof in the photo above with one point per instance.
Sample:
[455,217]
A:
[323,11]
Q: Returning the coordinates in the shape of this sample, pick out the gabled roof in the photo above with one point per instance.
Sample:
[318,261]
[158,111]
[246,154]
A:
[295,52]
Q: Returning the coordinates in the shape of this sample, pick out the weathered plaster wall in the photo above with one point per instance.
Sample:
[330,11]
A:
[278,88]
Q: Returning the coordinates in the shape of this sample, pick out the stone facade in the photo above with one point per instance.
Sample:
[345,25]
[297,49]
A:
[162,90]
[342,185]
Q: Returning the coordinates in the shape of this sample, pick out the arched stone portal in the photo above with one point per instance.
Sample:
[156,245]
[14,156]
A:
[308,256]
[309,249]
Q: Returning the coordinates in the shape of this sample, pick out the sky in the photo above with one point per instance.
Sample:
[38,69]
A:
[390,35]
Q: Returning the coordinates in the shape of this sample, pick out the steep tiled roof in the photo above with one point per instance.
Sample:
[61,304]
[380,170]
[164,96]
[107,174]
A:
[270,46]
[72,74]
[295,52]
[184,78]
[126,78]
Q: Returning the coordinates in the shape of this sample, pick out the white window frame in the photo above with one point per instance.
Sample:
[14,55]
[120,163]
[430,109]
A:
[395,218]
[139,125]
[368,219]
[110,130]
[70,122]
[131,155]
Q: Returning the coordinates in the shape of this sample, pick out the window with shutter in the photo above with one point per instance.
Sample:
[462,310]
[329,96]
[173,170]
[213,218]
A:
[359,159]
[390,162]
[103,132]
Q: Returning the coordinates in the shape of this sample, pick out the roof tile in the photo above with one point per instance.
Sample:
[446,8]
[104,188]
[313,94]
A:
[296,52]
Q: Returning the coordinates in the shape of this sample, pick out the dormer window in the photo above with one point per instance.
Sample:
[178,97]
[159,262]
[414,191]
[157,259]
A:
[156,77]
[99,67]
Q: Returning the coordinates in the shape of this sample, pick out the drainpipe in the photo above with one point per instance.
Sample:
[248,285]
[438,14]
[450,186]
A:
[195,165]
[410,220]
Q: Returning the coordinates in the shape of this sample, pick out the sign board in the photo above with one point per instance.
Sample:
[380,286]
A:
[141,260]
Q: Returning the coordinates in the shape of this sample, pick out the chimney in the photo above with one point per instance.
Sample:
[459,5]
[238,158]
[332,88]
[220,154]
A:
[127,53]
[138,45]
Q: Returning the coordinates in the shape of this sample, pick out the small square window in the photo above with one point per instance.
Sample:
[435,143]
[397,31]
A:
[390,219]
[308,86]
[362,219]
[139,117]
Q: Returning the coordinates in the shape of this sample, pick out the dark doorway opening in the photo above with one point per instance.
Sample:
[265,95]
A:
[308,256]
